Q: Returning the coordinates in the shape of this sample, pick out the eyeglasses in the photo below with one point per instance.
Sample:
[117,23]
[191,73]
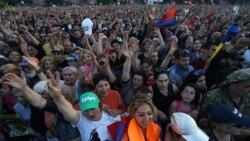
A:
[199,72]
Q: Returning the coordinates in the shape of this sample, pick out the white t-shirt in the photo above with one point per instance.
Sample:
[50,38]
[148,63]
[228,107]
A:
[88,127]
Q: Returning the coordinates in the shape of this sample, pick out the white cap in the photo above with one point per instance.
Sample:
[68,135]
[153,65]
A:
[87,25]
[2,57]
[186,126]
[41,87]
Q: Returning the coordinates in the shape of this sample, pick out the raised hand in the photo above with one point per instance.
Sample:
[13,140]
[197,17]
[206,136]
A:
[127,51]
[105,107]
[54,85]
[15,81]
[24,28]
[24,49]
[114,112]
[33,63]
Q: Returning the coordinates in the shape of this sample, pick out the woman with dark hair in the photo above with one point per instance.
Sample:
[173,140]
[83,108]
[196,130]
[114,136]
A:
[198,78]
[164,92]
[188,101]
[111,100]
[15,56]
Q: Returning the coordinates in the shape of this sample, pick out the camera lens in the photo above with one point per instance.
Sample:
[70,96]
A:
[101,62]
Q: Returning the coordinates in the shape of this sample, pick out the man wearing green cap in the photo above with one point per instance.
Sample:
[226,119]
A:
[91,121]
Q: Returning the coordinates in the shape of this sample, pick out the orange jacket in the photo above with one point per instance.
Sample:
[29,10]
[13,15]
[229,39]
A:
[133,132]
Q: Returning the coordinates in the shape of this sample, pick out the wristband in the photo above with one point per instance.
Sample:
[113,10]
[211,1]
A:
[39,71]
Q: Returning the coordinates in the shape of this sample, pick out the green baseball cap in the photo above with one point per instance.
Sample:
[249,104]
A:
[88,100]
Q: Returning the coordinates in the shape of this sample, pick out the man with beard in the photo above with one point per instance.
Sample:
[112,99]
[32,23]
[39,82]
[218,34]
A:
[179,72]
[234,91]
[59,59]
[68,47]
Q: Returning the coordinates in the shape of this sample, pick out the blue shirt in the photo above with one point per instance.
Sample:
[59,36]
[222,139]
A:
[176,76]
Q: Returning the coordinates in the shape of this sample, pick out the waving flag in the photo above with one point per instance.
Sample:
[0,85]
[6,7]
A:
[232,30]
[167,19]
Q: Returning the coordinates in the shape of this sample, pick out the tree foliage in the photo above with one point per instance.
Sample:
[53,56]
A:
[15,2]
[56,2]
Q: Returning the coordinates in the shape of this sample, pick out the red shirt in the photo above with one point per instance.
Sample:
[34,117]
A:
[114,101]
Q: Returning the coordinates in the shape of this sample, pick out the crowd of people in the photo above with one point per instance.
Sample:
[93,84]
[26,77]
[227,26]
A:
[100,73]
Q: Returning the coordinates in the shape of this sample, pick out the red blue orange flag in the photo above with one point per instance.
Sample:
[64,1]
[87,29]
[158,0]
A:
[168,18]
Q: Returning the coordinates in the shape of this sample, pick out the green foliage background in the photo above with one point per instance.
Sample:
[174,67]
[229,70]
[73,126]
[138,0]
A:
[61,2]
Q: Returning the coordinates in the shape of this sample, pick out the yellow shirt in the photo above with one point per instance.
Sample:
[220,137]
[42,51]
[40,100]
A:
[48,50]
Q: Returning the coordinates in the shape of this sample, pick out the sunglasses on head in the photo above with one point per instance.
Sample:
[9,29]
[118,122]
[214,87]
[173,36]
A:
[183,51]
[160,70]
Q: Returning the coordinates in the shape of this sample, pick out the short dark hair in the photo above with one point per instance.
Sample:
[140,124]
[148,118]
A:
[115,41]
[140,73]
[181,53]
[99,77]
[197,95]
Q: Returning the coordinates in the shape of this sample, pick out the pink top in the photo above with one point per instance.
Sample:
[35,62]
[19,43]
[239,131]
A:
[178,107]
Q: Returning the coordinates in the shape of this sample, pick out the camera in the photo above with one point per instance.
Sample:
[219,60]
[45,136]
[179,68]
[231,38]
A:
[101,62]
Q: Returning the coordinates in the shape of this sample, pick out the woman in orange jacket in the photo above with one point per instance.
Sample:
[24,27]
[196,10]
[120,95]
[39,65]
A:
[141,126]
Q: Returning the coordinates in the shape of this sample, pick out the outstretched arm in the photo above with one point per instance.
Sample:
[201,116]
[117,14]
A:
[54,89]
[167,59]
[34,98]
[127,65]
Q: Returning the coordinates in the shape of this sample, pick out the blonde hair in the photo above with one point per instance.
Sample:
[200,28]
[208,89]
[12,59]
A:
[86,51]
[46,58]
[10,68]
[137,103]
